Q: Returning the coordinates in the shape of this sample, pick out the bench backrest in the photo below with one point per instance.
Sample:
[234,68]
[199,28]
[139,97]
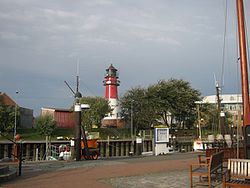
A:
[216,161]
[239,168]
[229,153]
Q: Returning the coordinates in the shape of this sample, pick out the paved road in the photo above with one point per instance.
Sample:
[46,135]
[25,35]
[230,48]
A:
[143,172]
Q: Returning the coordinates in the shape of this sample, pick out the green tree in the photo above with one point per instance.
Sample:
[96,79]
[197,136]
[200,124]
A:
[7,117]
[161,101]
[45,125]
[175,98]
[137,104]
[99,107]
[185,99]
[168,98]
[209,115]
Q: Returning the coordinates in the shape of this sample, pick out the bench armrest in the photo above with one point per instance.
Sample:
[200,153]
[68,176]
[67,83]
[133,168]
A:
[200,164]
[203,159]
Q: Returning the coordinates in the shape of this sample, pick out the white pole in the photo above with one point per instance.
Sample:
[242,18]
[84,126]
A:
[131,121]
[47,152]
[15,116]
[199,121]
[14,134]
[37,154]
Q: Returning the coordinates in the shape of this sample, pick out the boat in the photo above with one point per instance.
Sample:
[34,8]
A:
[244,77]
[201,145]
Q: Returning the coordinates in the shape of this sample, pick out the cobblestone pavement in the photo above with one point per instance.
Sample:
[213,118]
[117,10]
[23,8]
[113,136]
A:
[173,179]
[135,172]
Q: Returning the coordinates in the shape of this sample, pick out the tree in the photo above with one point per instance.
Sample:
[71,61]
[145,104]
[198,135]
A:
[99,107]
[137,104]
[7,117]
[175,98]
[161,101]
[46,125]
[168,98]
[185,100]
[209,115]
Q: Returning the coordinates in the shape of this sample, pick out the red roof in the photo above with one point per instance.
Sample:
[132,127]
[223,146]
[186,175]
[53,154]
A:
[7,100]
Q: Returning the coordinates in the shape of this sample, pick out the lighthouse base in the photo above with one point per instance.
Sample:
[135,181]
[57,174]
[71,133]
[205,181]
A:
[113,123]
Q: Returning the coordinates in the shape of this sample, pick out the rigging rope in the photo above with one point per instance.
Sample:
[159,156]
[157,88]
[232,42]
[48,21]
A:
[224,44]
[237,60]
[247,39]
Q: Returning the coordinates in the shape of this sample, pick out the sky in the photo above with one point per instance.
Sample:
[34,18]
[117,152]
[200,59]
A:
[146,40]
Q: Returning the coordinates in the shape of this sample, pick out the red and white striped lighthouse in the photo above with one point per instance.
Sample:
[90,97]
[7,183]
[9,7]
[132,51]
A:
[111,82]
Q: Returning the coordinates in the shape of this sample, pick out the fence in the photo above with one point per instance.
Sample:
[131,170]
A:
[36,150]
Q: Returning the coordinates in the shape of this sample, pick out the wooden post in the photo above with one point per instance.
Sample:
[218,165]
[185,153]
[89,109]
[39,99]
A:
[46,149]
[117,148]
[27,151]
[107,148]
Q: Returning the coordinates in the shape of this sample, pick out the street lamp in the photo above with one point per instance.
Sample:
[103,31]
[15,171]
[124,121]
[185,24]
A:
[131,129]
[199,119]
[15,116]
[131,121]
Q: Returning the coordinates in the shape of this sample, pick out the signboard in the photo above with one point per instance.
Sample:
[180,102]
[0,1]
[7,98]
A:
[198,145]
[161,135]
[138,140]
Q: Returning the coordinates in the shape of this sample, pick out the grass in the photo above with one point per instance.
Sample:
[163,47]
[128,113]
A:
[32,134]
[104,133]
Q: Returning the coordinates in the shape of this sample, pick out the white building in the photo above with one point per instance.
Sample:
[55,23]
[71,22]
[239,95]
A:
[229,102]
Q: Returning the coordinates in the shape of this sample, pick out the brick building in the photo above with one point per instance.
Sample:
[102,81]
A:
[64,117]
[26,114]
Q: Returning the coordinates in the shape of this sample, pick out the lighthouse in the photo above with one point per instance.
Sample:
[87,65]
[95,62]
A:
[111,83]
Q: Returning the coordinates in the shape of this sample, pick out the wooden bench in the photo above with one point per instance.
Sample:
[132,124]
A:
[214,166]
[229,153]
[238,174]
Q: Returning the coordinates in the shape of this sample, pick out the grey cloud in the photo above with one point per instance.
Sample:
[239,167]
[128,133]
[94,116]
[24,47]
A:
[40,42]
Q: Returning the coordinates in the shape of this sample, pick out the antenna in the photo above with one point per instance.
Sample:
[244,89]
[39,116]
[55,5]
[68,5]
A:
[216,83]
[77,76]
[220,111]
[76,93]
[79,129]
[70,87]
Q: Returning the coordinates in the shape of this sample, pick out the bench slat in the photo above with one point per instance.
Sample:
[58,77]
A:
[239,173]
[248,169]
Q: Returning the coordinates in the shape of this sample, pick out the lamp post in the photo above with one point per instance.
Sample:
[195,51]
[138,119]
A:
[15,116]
[131,121]
[131,129]
[199,118]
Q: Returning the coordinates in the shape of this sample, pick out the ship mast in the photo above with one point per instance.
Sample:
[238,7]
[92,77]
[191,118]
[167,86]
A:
[244,76]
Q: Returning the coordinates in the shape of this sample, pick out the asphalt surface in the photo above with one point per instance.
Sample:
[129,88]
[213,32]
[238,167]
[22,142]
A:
[134,172]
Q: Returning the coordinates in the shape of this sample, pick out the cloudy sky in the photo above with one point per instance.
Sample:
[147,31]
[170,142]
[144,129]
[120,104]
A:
[146,40]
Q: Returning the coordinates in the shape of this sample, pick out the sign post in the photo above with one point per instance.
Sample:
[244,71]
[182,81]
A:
[161,141]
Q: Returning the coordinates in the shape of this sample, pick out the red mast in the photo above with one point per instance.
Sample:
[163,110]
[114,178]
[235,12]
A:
[244,76]
[243,60]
